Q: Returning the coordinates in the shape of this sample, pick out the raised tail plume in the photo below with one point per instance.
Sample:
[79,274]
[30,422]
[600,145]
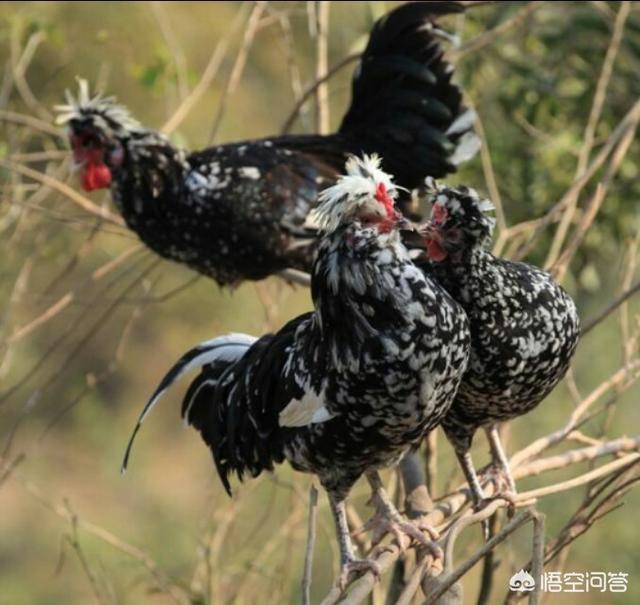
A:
[404,105]
[218,353]
[236,406]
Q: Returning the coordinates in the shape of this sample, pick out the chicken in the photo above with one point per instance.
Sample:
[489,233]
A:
[347,388]
[239,211]
[524,327]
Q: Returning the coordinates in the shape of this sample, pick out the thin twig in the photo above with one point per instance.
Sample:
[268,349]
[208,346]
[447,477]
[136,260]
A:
[629,121]
[68,192]
[615,381]
[20,66]
[174,47]
[489,566]
[425,561]
[543,465]
[563,486]
[610,308]
[490,177]
[590,129]
[64,301]
[288,123]
[587,514]
[252,27]
[291,54]
[454,576]
[490,36]
[165,584]
[59,339]
[311,542]
[31,122]
[208,75]
[322,62]
[594,203]
[537,565]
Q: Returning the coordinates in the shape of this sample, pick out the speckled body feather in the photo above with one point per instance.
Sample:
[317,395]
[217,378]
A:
[238,211]
[350,386]
[214,210]
[524,330]
[383,353]
[524,326]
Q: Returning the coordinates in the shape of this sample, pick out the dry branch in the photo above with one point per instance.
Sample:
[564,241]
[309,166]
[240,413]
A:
[447,509]
[610,308]
[604,485]
[490,36]
[208,75]
[322,62]
[590,129]
[65,300]
[615,381]
[31,122]
[252,27]
[68,192]
[629,122]
[311,542]
[451,577]
[309,92]
[165,584]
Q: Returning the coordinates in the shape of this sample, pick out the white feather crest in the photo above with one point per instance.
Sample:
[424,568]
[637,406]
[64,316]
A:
[83,105]
[352,192]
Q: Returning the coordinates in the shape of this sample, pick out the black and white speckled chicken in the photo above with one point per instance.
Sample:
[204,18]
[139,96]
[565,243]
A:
[349,387]
[237,211]
[524,326]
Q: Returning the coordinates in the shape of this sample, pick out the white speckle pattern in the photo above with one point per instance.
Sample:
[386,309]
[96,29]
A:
[249,172]
[524,326]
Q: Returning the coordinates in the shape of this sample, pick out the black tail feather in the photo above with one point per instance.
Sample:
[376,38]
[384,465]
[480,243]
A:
[206,410]
[235,401]
[216,356]
[235,405]
[404,105]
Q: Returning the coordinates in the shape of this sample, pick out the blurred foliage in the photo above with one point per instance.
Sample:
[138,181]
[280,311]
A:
[534,91]
[69,392]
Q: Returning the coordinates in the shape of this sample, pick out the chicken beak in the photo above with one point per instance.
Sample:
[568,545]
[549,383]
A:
[404,223]
[431,232]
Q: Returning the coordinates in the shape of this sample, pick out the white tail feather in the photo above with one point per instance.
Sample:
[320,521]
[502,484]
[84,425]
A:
[223,348]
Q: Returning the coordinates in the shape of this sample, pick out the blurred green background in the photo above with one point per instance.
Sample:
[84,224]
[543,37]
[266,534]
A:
[71,388]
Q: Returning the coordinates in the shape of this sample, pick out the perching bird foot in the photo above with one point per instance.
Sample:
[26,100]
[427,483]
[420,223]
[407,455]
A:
[499,472]
[357,566]
[504,486]
[416,530]
[388,519]
[403,530]
[501,477]
[504,489]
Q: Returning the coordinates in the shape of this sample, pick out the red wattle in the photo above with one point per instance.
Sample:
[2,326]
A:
[435,251]
[384,198]
[96,176]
